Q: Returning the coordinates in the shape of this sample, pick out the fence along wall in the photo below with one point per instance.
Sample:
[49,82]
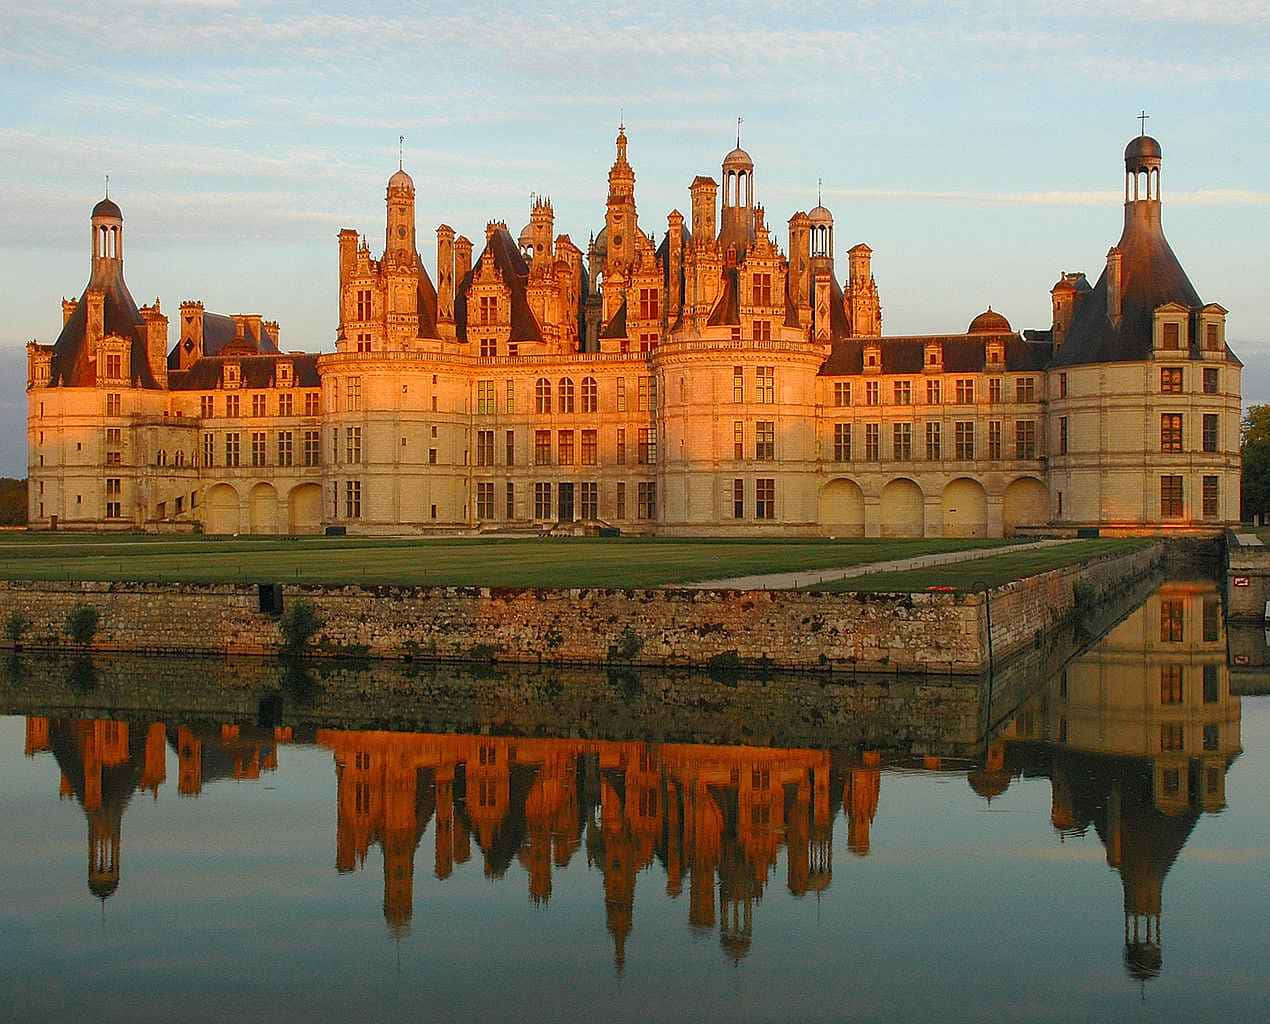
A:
[725,628]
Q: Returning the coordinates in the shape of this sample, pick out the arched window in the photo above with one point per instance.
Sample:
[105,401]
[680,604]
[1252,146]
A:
[180,458]
[542,391]
[566,394]
[162,459]
[590,395]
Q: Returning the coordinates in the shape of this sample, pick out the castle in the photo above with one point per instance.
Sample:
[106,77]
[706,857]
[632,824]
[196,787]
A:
[709,383]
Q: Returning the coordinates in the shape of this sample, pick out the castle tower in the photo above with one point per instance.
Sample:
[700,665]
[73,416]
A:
[619,218]
[703,191]
[400,200]
[737,211]
[401,263]
[541,220]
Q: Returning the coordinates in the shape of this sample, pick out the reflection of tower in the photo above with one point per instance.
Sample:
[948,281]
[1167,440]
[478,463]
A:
[860,802]
[618,866]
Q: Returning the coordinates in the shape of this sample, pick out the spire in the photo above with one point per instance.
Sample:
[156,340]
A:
[1142,117]
[401,152]
[107,186]
[738,133]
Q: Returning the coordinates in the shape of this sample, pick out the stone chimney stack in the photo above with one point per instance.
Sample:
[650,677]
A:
[1114,286]
[68,310]
[445,274]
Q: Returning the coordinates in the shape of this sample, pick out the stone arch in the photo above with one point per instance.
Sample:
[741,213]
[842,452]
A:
[1027,503]
[903,509]
[222,509]
[965,508]
[842,508]
[263,506]
[304,508]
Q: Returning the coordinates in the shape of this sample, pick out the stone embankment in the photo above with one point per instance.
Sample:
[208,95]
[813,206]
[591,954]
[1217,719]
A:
[720,629]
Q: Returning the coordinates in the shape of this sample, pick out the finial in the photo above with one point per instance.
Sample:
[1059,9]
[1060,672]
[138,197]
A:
[738,133]
[107,186]
[401,152]
[819,200]
[1143,118]
[621,119]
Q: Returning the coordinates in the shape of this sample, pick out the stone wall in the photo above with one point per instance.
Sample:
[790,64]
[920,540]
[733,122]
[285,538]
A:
[1247,580]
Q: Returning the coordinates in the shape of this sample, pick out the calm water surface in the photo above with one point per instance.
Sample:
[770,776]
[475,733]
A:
[1106,857]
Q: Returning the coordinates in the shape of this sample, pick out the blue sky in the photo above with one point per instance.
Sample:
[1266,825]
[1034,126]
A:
[975,146]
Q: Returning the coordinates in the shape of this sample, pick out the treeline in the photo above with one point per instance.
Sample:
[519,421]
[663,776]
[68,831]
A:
[12,501]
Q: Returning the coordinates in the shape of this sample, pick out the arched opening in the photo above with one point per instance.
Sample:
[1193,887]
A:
[222,510]
[842,509]
[903,509]
[304,509]
[965,509]
[1027,503]
[264,509]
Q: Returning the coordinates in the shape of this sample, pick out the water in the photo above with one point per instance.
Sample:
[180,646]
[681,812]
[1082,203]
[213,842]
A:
[1104,856]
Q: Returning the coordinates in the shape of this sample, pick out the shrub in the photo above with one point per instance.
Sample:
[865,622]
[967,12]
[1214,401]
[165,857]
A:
[15,626]
[81,624]
[299,624]
[627,647]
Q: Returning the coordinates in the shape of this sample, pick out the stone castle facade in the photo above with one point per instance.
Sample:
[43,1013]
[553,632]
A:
[706,383]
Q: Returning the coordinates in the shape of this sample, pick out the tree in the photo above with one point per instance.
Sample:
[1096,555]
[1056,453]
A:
[1255,449]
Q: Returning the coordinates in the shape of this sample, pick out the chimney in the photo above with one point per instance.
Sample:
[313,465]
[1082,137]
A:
[462,259]
[703,191]
[95,328]
[191,330]
[445,274]
[156,331]
[674,246]
[1114,296]
[68,310]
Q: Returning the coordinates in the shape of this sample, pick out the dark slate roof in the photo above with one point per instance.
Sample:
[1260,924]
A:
[427,303]
[727,309]
[1150,276]
[107,208]
[71,366]
[962,354]
[258,371]
[515,271]
[616,328]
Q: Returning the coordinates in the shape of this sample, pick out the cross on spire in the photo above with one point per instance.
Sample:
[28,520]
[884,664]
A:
[1142,117]
[401,152]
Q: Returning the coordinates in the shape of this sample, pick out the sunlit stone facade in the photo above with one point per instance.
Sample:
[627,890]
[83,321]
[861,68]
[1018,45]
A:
[706,383]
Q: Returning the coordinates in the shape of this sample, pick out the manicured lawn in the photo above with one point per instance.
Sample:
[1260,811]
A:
[995,570]
[503,562]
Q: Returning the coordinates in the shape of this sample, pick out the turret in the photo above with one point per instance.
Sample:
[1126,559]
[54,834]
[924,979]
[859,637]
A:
[737,212]
[107,240]
[541,222]
[400,200]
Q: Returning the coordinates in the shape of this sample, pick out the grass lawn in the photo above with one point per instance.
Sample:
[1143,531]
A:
[995,570]
[502,562]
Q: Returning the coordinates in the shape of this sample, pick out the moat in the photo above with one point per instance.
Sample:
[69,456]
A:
[1084,837]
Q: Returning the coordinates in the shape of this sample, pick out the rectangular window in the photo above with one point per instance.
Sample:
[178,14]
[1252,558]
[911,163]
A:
[738,384]
[765,385]
[1171,380]
[1170,684]
[872,393]
[511,500]
[1210,431]
[762,330]
[765,440]
[312,448]
[647,495]
[353,445]
[645,385]
[1171,497]
[994,439]
[842,442]
[934,393]
[1172,620]
[1171,432]
[994,390]
[903,391]
[1062,435]
[1025,389]
[206,407]
[485,499]
[487,309]
[485,454]
[1025,439]
[1210,380]
[113,405]
[762,290]
[1212,687]
[114,498]
[647,447]
[354,393]
[542,500]
[965,391]
[589,499]
[209,449]
[542,447]
[232,448]
[934,441]
[1171,739]
[738,499]
[489,348]
[231,405]
[621,499]
[258,407]
[432,456]
[114,366]
[1211,341]
[872,444]
[621,446]
[1172,336]
[964,439]
[258,457]
[738,440]
[312,403]
[902,441]
[590,448]
[285,406]
[510,453]
[764,498]
[510,406]
[1210,497]
[353,499]
[363,304]
[1212,620]
[842,393]
[1062,385]
[486,400]
[621,394]
[363,342]
[648,305]
[564,448]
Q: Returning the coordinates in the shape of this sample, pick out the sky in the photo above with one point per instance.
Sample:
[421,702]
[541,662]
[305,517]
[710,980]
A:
[976,147]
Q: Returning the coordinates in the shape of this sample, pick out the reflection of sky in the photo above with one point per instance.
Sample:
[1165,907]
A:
[230,905]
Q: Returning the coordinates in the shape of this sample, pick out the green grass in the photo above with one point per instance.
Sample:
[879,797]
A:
[502,562]
[995,570]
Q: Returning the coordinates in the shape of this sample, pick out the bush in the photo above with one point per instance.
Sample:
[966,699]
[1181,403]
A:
[627,647]
[81,624]
[15,626]
[299,624]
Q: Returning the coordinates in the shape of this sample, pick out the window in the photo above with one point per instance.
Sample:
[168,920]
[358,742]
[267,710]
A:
[1210,380]
[1211,341]
[1171,738]
[764,498]
[1212,621]
[1212,736]
[1171,432]
[872,393]
[965,390]
[1025,439]
[1211,686]
[485,453]
[485,499]
[489,348]
[1210,497]
[1062,435]
[648,306]
[621,446]
[285,407]
[258,448]
[762,330]
[1062,385]
[487,309]
[114,498]
[363,304]
[510,454]
[647,394]
[994,439]
[765,385]
[964,439]
[621,394]
[564,448]
[647,447]
[590,395]
[258,407]
[312,403]
[765,440]
[353,445]
[738,440]
[231,448]
[363,343]
[353,499]
[994,390]
[1172,620]
[113,405]
[934,441]
[486,400]
[762,293]
[1210,432]
[647,507]
[872,447]
[621,499]
[566,394]
[511,397]
[738,499]
[542,501]
[206,406]
[1025,389]
[114,366]
[842,393]
[1171,380]
[842,442]
[1172,336]
[1170,684]
[542,447]
[542,396]
[209,449]
[934,393]
[231,405]
[902,441]
[312,448]
[590,448]
[589,500]
[511,500]
[354,392]
[903,391]
[432,456]
[738,383]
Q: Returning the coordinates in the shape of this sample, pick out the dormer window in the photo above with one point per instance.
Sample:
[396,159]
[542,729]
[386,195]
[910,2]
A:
[872,359]
[934,361]
[996,354]
[1170,332]
[1172,337]
[285,377]
[232,375]
[1211,331]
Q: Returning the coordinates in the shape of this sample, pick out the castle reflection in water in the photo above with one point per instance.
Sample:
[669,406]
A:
[1135,737]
